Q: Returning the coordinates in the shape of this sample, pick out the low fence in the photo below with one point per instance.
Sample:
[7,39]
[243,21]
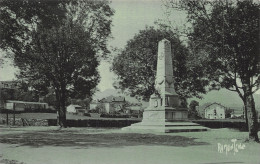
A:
[70,123]
[24,122]
[103,122]
[96,122]
[227,123]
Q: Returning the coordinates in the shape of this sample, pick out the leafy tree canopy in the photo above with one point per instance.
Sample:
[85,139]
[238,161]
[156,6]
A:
[135,65]
[193,105]
[224,39]
[19,17]
[65,55]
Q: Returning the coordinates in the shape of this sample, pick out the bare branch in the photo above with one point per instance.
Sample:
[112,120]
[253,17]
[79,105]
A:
[257,88]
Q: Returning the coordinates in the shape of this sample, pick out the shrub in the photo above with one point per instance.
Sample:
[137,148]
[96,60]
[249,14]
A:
[114,115]
[87,114]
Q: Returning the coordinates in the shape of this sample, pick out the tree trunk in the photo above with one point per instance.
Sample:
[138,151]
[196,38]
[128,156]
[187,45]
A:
[57,106]
[251,115]
[62,118]
[62,113]
[61,108]
[245,112]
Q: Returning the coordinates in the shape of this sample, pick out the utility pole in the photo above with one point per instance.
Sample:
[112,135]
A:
[7,121]
[13,86]
[14,114]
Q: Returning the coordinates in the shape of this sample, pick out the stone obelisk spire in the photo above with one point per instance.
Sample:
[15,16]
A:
[164,82]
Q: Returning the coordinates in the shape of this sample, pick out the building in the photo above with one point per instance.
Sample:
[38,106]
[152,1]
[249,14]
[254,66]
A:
[93,105]
[136,111]
[75,109]
[9,84]
[237,112]
[110,104]
[22,105]
[201,109]
[212,111]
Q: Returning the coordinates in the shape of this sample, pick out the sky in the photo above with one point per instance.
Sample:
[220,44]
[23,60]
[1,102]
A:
[130,17]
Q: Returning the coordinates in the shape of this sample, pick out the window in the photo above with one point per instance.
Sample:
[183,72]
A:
[166,101]
[155,103]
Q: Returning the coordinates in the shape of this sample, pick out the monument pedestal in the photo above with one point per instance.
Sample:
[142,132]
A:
[164,113]
[165,121]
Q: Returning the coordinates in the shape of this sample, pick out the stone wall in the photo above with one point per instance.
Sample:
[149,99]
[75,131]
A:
[25,122]
[72,123]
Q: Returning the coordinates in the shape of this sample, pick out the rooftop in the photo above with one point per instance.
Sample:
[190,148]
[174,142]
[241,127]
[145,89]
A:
[112,99]
[23,102]
[204,106]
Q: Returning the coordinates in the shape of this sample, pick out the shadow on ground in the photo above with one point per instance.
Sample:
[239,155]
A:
[7,161]
[69,138]
[224,163]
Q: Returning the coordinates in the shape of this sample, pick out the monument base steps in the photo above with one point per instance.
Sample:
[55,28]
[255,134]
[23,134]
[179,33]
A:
[165,127]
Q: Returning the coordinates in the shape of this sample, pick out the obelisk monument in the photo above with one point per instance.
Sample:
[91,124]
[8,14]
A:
[164,113]
[164,103]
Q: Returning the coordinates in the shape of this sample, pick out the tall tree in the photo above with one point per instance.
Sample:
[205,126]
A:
[65,56]
[135,65]
[224,35]
[19,19]
[192,112]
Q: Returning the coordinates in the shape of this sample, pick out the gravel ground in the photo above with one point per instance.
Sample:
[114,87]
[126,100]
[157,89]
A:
[50,145]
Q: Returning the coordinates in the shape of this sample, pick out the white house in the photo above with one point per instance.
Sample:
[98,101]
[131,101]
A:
[212,111]
[75,109]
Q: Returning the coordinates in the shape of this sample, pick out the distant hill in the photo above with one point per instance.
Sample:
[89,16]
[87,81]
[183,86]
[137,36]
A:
[226,98]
